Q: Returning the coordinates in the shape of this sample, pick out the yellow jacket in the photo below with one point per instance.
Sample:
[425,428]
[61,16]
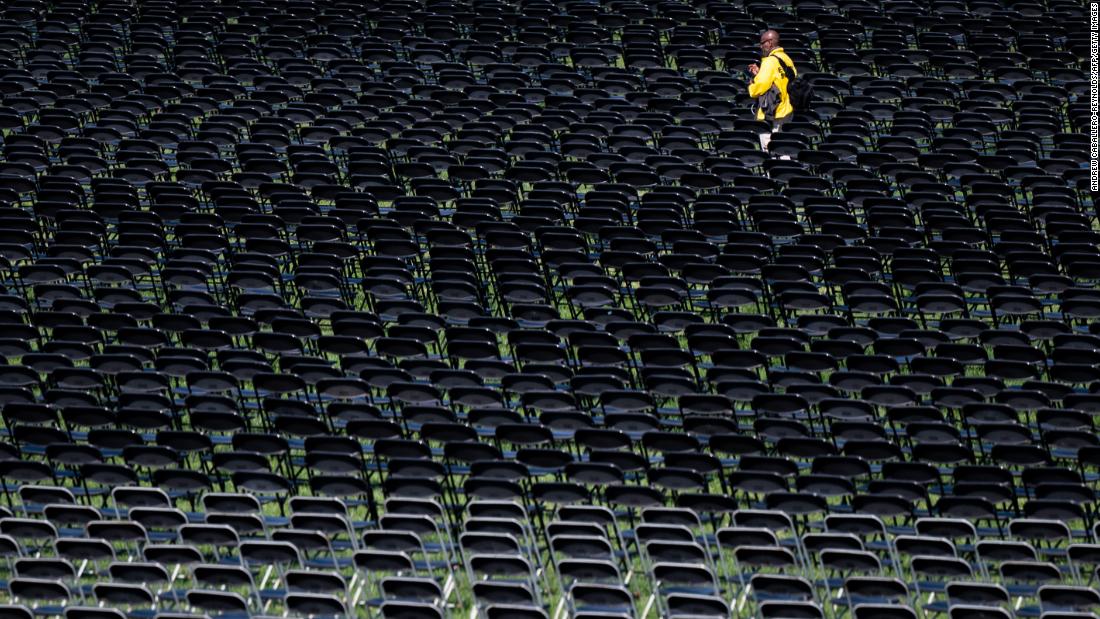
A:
[769,75]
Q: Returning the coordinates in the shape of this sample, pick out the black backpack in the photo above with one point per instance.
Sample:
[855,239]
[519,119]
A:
[799,91]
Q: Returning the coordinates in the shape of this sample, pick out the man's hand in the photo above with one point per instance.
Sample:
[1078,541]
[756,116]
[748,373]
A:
[754,68]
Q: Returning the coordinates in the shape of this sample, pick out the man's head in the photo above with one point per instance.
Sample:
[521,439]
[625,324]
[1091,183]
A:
[769,40]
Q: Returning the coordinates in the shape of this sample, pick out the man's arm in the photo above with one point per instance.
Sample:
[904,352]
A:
[765,77]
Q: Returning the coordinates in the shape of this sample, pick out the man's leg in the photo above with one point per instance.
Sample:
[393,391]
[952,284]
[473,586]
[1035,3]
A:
[765,139]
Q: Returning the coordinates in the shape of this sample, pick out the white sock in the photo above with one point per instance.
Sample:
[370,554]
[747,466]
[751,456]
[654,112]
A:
[765,139]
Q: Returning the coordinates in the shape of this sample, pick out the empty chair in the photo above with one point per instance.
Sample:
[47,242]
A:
[500,310]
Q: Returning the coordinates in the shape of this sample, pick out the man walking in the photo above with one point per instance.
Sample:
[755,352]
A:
[769,86]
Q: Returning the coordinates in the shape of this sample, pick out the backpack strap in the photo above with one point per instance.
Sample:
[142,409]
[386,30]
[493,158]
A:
[788,62]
